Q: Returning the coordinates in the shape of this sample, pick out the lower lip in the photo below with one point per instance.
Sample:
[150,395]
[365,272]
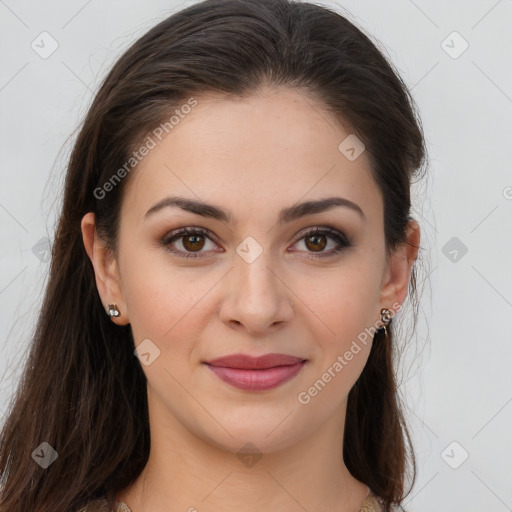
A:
[257,380]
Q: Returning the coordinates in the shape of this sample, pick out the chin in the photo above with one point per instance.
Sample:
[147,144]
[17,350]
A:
[268,436]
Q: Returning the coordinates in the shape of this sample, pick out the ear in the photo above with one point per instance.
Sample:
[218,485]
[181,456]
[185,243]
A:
[396,277]
[106,269]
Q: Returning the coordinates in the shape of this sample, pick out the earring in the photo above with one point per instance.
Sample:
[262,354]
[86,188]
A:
[385,315]
[112,310]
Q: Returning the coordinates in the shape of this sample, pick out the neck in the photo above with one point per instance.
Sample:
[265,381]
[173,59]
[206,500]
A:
[189,473]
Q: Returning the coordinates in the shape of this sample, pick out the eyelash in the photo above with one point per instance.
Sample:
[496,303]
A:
[343,241]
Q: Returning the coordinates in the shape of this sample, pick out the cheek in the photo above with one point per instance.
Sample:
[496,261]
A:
[343,309]
[340,351]
[345,301]
[165,301]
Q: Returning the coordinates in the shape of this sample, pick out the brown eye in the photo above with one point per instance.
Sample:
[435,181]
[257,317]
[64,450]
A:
[318,239]
[188,242]
[316,242]
[193,242]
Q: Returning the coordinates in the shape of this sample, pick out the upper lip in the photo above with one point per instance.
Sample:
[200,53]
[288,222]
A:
[248,362]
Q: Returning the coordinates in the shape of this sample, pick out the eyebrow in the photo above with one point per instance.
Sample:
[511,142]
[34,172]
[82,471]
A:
[286,215]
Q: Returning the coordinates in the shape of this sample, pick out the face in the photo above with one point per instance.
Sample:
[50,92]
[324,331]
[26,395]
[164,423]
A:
[246,278]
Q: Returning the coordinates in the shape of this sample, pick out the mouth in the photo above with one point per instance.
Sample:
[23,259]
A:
[256,373]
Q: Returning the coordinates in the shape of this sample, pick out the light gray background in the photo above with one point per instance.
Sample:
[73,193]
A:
[457,380]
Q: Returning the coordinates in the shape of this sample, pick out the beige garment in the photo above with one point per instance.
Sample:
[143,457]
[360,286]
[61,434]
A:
[373,504]
[101,505]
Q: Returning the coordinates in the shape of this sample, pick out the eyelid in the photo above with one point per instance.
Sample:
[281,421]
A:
[324,228]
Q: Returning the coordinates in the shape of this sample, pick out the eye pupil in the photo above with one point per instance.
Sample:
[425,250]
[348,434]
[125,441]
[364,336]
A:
[315,239]
[193,239]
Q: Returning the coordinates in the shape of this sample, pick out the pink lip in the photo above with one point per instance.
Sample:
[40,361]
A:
[256,373]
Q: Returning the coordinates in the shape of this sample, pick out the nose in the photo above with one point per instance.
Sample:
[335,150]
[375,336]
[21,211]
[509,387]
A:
[257,299]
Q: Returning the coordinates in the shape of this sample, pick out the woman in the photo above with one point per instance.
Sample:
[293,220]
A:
[235,240]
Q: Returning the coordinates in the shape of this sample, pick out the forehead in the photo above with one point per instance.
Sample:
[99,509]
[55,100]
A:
[256,153]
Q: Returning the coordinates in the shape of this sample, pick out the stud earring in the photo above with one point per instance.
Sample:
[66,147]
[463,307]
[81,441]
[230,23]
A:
[385,315]
[112,311]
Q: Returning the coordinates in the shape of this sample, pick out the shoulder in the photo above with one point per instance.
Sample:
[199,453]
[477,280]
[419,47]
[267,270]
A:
[101,505]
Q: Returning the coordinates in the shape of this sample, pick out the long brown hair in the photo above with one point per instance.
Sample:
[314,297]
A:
[82,391]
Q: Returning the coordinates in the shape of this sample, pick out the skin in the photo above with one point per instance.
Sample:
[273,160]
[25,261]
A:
[252,156]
